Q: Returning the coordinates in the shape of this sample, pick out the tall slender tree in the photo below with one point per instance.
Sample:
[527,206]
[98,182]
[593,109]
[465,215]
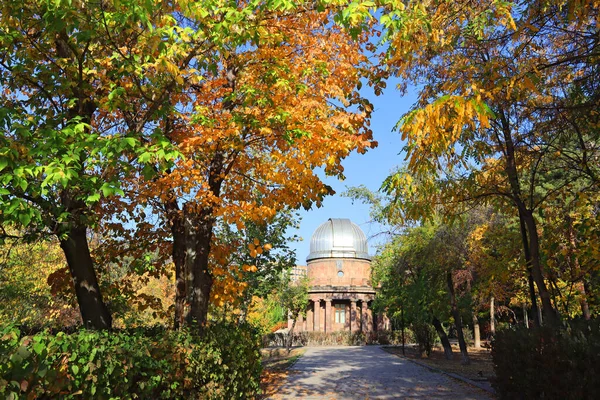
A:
[489,124]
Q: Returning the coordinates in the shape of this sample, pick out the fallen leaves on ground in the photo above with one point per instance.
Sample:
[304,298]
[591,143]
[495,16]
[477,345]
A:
[480,369]
[276,364]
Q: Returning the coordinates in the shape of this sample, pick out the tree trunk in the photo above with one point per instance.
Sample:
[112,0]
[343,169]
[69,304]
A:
[74,243]
[457,322]
[176,222]
[587,288]
[547,309]
[403,331]
[492,317]
[443,338]
[193,232]
[525,214]
[192,235]
[525,317]
[94,313]
[290,340]
[579,286]
[530,283]
[198,239]
[180,281]
[585,308]
[476,331]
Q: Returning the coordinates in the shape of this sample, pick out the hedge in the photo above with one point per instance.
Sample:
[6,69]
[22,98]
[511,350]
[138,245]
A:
[340,338]
[548,363]
[141,363]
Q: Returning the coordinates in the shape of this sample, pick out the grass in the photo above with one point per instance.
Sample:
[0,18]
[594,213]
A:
[276,367]
[481,368]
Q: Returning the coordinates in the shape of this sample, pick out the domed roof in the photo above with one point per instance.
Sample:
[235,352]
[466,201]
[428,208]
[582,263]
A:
[338,238]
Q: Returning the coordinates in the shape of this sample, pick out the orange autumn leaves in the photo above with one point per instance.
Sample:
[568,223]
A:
[254,129]
[229,278]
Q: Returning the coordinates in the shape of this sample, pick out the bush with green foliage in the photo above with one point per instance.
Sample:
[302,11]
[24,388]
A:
[425,337]
[393,338]
[549,363]
[140,363]
[341,338]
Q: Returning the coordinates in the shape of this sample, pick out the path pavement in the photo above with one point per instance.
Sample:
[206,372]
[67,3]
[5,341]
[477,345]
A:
[367,372]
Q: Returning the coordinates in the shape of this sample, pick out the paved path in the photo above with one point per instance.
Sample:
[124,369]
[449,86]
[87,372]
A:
[367,372]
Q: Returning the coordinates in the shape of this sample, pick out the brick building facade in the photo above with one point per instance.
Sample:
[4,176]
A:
[339,271]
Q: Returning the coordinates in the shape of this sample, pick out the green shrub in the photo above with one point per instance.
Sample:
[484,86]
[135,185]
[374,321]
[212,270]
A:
[148,364]
[468,335]
[340,338]
[393,338]
[277,339]
[425,337]
[549,363]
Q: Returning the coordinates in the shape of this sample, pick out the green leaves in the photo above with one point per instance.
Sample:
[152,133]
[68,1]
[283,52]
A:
[108,190]
[152,363]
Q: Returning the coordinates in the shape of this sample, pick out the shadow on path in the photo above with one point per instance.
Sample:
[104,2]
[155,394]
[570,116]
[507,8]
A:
[367,372]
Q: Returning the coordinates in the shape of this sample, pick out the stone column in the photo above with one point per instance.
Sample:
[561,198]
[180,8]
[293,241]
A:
[353,317]
[316,312]
[328,318]
[310,320]
[367,322]
[300,323]
[359,316]
[305,324]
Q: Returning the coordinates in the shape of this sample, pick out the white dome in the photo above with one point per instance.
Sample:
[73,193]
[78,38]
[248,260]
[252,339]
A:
[338,238]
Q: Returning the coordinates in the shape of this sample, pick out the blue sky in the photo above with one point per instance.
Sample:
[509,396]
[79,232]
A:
[368,169]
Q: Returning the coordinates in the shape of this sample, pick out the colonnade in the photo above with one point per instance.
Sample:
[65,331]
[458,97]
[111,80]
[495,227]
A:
[361,317]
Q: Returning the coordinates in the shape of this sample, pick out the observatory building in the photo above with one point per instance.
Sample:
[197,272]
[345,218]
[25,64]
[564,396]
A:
[339,271]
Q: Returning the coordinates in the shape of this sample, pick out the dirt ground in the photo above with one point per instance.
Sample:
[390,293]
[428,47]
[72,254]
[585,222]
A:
[481,367]
[276,363]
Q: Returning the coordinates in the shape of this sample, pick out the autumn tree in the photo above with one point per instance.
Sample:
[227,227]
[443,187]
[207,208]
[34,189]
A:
[85,87]
[570,226]
[258,255]
[494,266]
[293,297]
[500,87]
[273,105]
[61,66]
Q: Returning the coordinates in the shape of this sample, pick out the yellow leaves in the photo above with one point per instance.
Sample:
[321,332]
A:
[437,36]
[528,84]
[228,286]
[252,248]
[255,249]
[478,233]
[508,19]
[249,268]
[170,68]
[437,127]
